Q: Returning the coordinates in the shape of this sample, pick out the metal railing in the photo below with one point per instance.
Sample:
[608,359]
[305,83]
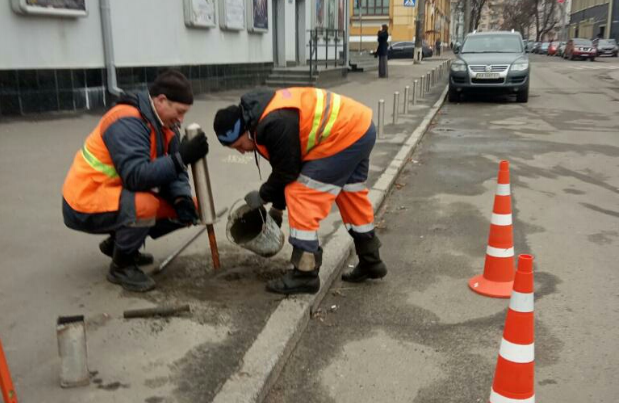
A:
[324,38]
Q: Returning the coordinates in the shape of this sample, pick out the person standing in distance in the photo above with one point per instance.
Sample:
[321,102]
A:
[383,51]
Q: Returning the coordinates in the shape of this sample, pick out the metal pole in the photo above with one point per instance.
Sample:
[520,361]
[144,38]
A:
[422,86]
[415,92]
[396,106]
[204,194]
[406,100]
[419,22]
[184,246]
[381,117]
[360,25]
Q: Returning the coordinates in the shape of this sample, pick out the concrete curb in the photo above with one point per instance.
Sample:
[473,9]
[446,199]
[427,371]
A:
[264,360]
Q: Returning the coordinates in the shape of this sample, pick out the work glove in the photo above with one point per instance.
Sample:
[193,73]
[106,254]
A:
[277,215]
[194,149]
[253,200]
[186,211]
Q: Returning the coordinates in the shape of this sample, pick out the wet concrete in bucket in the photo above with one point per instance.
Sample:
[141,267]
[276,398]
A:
[248,226]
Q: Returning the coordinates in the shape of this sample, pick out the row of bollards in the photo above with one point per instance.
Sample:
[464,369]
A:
[421,87]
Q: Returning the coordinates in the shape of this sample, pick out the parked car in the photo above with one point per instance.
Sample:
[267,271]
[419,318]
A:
[543,48]
[581,48]
[606,47]
[406,49]
[552,48]
[490,62]
[560,49]
[536,46]
[530,46]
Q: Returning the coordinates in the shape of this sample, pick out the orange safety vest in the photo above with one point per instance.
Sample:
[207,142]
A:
[92,184]
[328,122]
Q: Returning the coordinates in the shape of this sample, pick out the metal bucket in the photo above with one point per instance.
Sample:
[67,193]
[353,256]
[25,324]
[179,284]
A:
[254,230]
[71,333]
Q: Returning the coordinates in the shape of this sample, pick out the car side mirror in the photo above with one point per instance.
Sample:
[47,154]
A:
[456,49]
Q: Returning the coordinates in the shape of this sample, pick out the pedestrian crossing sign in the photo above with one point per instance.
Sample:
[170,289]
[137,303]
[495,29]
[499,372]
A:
[409,3]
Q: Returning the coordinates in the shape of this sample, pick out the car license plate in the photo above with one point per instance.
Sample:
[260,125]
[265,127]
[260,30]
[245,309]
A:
[487,75]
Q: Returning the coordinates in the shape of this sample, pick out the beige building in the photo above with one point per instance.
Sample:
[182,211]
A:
[491,16]
[366,21]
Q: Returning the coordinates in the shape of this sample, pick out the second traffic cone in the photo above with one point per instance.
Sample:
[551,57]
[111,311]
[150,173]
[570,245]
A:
[6,384]
[498,276]
[515,369]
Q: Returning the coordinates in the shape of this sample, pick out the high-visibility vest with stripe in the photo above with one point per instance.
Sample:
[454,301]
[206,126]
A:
[328,122]
[92,184]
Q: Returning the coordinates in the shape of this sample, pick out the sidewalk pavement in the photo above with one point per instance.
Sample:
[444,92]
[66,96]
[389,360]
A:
[232,344]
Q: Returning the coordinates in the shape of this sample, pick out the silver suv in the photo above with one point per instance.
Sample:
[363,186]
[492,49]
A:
[493,62]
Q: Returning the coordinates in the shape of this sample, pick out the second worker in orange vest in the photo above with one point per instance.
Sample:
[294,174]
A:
[318,144]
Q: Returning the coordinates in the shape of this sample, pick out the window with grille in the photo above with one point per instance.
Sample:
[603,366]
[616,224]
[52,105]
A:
[371,7]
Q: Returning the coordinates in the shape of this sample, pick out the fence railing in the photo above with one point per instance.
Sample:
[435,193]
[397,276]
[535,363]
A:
[329,40]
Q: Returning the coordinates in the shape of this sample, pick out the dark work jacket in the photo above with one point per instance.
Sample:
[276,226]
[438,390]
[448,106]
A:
[279,133]
[128,141]
[383,46]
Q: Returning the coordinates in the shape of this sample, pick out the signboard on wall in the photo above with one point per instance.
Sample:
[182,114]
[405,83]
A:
[232,14]
[320,13]
[258,15]
[331,10]
[59,8]
[199,13]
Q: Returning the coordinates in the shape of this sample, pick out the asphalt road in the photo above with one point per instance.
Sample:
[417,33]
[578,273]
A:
[420,335]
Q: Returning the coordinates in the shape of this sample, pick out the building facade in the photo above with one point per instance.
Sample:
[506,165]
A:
[591,18]
[400,16]
[491,16]
[59,54]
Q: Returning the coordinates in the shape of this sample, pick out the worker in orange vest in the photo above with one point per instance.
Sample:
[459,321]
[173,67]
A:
[318,144]
[129,179]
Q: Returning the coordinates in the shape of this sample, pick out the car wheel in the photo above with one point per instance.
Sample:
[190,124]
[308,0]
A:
[523,97]
[454,96]
[592,59]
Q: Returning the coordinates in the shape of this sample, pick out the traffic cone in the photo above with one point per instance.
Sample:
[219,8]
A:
[515,368]
[498,276]
[6,384]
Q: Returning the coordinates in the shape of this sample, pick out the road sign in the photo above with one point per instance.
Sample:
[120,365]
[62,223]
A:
[409,3]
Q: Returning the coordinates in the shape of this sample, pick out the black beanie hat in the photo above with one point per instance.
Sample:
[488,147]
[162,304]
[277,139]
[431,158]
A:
[174,85]
[225,119]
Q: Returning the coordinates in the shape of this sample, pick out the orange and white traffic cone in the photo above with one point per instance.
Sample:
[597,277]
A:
[6,384]
[498,277]
[515,369]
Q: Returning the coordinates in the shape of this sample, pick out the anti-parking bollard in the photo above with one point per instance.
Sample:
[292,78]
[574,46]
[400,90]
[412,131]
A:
[415,89]
[381,117]
[396,106]
[406,100]
[422,86]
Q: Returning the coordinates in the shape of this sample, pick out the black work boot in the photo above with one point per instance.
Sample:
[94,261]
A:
[370,265]
[303,278]
[107,248]
[125,272]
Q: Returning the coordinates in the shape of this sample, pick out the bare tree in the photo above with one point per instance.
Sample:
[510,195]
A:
[476,8]
[518,14]
[545,17]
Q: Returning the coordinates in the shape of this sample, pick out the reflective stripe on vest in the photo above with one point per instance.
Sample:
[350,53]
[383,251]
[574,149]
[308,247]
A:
[97,165]
[321,128]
